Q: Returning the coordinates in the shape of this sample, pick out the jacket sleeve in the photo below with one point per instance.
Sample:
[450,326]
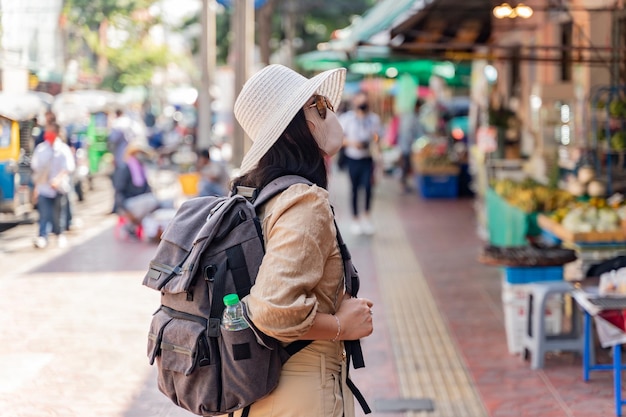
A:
[300,237]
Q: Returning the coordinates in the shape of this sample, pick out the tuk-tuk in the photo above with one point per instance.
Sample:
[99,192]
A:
[17,119]
[91,108]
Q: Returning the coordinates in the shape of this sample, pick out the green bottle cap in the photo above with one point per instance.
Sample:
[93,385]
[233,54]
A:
[231,299]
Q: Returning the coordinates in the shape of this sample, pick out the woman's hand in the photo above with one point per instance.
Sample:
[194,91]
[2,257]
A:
[355,316]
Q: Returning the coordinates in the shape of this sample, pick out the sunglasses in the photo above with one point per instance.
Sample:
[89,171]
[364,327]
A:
[321,104]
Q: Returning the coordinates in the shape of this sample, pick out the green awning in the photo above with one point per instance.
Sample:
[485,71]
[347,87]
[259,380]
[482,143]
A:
[379,19]
[363,62]
[365,48]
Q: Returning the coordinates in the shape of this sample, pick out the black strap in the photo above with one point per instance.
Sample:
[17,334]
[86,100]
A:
[351,275]
[244,412]
[238,267]
[295,347]
[217,301]
[359,396]
[354,353]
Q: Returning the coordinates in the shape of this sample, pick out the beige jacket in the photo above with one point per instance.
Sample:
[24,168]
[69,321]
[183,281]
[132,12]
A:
[302,270]
[301,274]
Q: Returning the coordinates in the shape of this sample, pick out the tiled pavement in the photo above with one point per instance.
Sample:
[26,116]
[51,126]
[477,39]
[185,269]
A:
[74,323]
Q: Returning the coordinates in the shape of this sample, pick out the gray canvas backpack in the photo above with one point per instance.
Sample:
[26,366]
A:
[212,247]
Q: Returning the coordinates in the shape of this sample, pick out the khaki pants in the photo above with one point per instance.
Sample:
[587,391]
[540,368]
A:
[312,384]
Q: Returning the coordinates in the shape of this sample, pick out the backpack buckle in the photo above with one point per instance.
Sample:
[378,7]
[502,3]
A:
[213,329]
[247,192]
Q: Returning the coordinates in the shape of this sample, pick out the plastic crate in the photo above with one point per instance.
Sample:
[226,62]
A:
[438,186]
[529,274]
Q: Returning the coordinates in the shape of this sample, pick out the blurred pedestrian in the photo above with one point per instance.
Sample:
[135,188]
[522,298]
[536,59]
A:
[52,164]
[362,129]
[119,137]
[214,177]
[410,129]
[49,118]
[133,195]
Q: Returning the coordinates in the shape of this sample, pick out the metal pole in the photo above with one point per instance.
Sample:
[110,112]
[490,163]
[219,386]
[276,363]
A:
[290,31]
[243,26]
[207,64]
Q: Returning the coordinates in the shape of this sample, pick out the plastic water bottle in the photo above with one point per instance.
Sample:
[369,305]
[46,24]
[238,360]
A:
[232,319]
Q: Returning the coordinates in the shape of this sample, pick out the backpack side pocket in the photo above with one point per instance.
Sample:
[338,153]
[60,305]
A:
[186,361]
[248,361]
[155,335]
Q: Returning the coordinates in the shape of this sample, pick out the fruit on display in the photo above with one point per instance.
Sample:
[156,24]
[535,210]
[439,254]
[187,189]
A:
[596,189]
[531,196]
[585,174]
[594,215]
[588,219]
[617,108]
[432,154]
[618,141]
[433,157]
[576,188]
[584,183]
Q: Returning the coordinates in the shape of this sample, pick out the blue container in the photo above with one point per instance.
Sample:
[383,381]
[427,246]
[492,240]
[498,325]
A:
[529,274]
[438,186]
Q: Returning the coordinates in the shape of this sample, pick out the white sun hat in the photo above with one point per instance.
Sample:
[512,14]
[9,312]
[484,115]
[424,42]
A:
[270,99]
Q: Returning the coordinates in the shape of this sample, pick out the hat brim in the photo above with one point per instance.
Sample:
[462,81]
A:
[133,149]
[328,83]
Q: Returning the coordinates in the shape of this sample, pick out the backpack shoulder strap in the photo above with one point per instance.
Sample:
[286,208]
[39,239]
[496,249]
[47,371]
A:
[277,186]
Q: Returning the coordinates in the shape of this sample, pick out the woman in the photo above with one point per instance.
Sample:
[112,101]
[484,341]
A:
[299,292]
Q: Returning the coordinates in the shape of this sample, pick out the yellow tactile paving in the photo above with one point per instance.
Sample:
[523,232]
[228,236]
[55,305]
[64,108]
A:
[426,358]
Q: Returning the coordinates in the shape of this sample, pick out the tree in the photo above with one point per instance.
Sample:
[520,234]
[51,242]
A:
[222,33]
[132,57]
[313,22]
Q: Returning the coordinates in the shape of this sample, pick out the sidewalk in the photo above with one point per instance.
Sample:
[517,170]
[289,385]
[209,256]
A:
[446,319]
[74,327]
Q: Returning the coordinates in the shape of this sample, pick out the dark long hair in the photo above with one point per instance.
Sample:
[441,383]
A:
[295,153]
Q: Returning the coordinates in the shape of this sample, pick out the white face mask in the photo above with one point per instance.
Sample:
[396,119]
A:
[328,132]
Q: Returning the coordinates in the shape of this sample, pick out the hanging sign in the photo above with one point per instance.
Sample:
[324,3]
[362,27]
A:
[487,139]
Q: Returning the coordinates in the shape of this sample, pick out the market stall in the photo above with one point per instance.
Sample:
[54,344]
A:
[604,306]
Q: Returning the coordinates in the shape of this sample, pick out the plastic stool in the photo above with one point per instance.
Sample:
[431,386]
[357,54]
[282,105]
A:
[535,340]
